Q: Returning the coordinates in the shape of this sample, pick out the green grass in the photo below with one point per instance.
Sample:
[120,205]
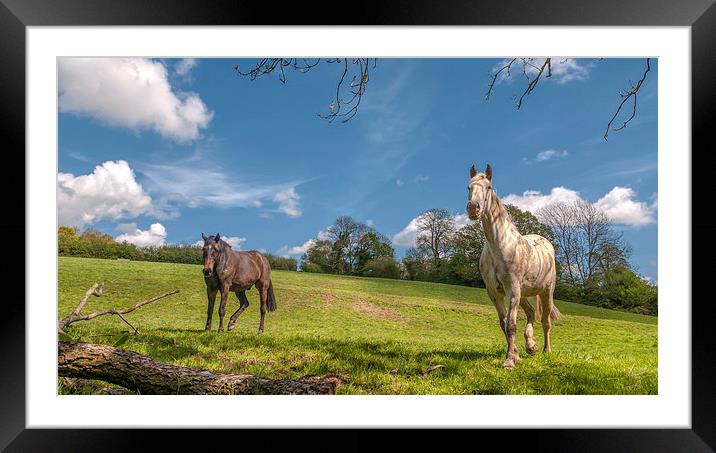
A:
[380,334]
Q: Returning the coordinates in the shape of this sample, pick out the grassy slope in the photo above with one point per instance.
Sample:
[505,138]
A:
[381,334]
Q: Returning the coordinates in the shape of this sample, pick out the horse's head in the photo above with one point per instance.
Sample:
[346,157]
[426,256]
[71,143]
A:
[478,192]
[212,248]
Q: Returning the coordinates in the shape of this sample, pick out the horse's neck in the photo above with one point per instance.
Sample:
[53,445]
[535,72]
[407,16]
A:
[226,255]
[500,233]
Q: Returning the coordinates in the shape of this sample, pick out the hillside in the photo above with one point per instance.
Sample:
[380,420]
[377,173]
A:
[381,334]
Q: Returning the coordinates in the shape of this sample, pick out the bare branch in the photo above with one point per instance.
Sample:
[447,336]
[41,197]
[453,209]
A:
[344,105]
[626,95]
[97,290]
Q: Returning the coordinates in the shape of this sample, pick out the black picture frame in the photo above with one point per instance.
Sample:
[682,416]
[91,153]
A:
[16,15]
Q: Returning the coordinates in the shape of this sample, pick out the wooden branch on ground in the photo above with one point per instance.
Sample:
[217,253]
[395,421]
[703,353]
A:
[97,289]
[137,372]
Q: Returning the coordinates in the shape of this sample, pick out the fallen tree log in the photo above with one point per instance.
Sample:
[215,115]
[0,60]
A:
[148,376]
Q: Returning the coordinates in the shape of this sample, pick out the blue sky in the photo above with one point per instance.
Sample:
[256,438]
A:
[157,151]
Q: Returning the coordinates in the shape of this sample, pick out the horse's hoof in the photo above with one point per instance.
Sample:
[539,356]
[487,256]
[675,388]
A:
[230,327]
[531,349]
[509,364]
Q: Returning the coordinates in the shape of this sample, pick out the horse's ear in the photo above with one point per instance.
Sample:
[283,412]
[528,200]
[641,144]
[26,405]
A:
[217,237]
[488,172]
[473,171]
[203,236]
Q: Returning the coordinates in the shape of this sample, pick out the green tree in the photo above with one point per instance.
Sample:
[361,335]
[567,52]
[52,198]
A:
[319,258]
[371,246]
[467,245]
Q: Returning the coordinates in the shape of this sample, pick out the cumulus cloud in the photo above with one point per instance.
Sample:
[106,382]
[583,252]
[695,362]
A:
[619,204]
[298,250]
[130,92]
[234,241]
[155,236]
[534,200]
[109,192]
[549,154]
[287,200]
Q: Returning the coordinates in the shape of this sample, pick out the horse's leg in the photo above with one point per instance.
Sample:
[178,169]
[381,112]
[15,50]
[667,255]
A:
[530,343]
[211,295]
[244,302]
[546,300]
[498,301]
[263,293]
[222,305]
[513,295]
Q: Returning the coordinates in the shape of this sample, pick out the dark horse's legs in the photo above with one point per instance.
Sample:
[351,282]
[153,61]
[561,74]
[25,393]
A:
[222,306]
[244,303]
[211,295]
[263,292]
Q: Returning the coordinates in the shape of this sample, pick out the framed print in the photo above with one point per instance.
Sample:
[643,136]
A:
[220,214]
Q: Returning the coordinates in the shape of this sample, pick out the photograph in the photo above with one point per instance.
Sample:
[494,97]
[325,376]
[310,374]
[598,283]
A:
[357,225]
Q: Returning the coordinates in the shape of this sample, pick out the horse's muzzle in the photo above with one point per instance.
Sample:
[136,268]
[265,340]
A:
[472,211]
[207,272]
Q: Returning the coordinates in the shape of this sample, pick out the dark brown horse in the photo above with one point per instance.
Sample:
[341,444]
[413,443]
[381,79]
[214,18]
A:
[227,270]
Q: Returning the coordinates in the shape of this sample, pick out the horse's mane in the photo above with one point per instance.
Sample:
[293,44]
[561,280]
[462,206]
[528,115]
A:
[502,208]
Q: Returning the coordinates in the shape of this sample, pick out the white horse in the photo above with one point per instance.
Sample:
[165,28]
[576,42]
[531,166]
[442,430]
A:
[513,265]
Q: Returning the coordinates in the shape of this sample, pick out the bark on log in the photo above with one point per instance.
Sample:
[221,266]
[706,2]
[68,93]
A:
[137,372]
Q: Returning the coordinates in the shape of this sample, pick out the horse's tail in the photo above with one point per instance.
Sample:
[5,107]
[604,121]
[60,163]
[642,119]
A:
[271,297]
[554,313]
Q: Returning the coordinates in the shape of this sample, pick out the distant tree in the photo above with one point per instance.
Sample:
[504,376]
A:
[371,246]
[345,235]
[382,266]
[415,264]
[434,235]
[319,258]
[467,245]
[586,241]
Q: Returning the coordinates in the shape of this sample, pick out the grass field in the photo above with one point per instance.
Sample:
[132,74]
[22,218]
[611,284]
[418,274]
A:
[382,335]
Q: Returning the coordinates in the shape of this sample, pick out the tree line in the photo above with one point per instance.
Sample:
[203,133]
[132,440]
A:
[92,243]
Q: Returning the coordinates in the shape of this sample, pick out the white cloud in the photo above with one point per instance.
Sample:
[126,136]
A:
[185,65]
[190,184]
[422,178]
[399,182]
[287,200]
[234,241]
[109,192]
[618,204]
[130,92]
[549,154]
[155,236]
[298,250]
[533,200]
[370,223]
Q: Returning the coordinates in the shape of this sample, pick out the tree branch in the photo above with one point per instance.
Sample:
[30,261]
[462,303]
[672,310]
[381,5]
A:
[338,107]
[626,95]
[138,372]
[97,289]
